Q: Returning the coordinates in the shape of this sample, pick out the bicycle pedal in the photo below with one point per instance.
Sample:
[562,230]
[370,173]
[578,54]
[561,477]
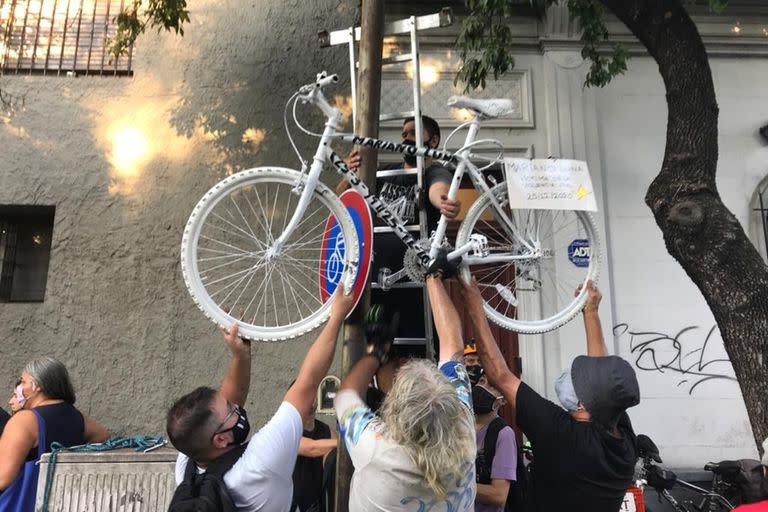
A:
[479,245]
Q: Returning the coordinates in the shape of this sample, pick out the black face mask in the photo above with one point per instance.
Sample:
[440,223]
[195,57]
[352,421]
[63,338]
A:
[482,400]
[240,430]
[475,371]
[409,159]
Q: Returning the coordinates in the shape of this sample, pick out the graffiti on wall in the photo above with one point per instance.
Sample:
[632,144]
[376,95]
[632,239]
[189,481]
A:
[684,354]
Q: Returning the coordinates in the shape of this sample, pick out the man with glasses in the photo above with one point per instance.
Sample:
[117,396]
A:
[207,424]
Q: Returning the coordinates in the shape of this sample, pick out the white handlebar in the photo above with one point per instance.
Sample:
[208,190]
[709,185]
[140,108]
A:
[322,81]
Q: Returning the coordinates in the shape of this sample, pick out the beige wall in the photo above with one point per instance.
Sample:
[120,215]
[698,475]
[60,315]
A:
[116,310]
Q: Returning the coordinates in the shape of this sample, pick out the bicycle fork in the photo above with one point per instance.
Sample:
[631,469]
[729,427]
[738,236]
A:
[307,187]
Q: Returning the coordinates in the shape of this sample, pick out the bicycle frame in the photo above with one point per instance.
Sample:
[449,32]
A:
[460,159]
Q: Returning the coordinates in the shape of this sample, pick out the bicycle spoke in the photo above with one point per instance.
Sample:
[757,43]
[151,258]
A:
[250,269]
[237,300]
[309,294]
[232,285]
[261,293]
[220,265]
[264,213]
[285,294]
[246,235]
[256,215]
[232,198]
[274,305]
[216,258]
[288,276]
[239,249]
[257,293]
[274,210]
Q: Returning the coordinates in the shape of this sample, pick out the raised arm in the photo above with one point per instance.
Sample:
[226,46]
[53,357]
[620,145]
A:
[319,357]
[438,196]
[493,362]
[447,322]
[316,447]
[379,333]
[236,383]
[594,331]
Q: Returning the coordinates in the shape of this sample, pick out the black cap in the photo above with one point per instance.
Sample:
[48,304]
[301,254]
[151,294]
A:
[607,386]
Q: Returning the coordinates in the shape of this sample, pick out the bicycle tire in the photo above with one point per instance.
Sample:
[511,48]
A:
[550,316]
[245,248]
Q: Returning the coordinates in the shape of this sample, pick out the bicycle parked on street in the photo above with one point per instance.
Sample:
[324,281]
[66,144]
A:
[258,242]
[728,488]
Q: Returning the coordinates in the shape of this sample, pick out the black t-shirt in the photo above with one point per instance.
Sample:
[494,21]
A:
[4,417]
[308,475]
[399,193]
[64,424]
[577,465]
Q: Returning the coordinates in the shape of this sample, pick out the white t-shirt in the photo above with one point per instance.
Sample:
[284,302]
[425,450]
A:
[385,478]
[262,479]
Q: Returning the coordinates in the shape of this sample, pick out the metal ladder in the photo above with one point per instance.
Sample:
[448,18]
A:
[410,26]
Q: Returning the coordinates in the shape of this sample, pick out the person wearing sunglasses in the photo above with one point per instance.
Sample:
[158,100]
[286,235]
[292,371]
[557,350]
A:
[207,424]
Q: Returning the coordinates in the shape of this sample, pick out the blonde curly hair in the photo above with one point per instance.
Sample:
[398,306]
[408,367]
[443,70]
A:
[424,415]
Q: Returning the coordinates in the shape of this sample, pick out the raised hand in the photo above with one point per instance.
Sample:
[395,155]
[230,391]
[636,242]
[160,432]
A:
[353,160]
[593,296]
[235,343]
[449,207]
[342,303]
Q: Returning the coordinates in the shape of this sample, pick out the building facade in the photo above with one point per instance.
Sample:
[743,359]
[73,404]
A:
[123,157]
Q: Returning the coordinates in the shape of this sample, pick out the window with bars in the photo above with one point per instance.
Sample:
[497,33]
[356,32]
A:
[25,250]
[60,37]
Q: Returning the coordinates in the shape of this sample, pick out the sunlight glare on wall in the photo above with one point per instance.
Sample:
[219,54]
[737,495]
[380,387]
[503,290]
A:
[130,151]
[431,69]
[389,47]
[343,103]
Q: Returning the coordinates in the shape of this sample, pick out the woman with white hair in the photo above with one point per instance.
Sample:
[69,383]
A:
[420,454]
[47,415]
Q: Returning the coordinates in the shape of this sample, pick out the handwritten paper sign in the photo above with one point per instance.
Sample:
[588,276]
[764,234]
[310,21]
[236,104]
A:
[548,184]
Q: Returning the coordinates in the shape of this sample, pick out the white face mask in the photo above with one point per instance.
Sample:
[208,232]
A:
[19,392]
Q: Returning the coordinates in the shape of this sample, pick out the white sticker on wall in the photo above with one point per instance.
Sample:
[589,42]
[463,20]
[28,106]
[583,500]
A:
[548,184]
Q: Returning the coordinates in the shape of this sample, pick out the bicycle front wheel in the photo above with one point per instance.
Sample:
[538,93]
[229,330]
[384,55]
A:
[232,270]
[534,265]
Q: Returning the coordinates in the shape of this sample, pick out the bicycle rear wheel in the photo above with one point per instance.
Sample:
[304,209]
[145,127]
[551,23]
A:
[534,293]
[228,267]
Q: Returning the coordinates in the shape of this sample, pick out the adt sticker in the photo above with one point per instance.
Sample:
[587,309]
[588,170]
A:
[332,252]
[579,252]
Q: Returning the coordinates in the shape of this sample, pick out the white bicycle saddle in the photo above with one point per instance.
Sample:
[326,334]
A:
[487,108]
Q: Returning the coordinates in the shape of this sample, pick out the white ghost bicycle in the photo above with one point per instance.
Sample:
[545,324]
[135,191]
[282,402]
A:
[255,244]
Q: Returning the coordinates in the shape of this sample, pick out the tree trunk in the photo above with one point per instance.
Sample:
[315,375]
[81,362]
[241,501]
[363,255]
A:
[699,231]
[368,102]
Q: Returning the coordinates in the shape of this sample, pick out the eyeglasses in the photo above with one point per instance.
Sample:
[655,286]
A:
[235,409]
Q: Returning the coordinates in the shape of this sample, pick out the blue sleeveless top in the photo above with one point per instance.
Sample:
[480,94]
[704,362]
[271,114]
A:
[55,423]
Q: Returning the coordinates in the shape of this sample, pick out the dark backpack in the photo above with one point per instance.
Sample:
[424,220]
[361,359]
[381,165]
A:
[206,492]
[484,460]
[520,496]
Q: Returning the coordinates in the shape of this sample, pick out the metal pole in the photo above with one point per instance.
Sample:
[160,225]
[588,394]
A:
[366,124]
